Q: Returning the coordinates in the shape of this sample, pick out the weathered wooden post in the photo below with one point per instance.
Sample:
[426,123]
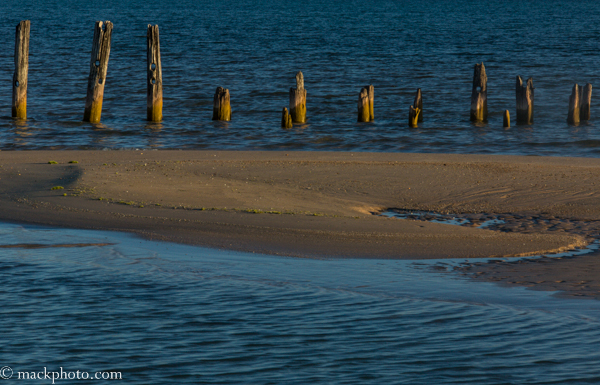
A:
[155,92]
[366,101]
[19,95]
[298,100]
[286,119]
[524,101]
[586,101]
[98,69]
[418,104]
[413,116]
[479,110]
[574,103]
[221,105]
[506,120]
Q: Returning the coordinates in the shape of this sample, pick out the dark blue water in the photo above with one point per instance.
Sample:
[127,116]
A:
[255,48]
[160,313]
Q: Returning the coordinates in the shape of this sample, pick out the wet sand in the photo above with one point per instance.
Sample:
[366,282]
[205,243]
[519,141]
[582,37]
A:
[306,204]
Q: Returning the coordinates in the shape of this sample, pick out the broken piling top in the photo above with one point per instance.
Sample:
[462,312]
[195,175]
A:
[19,95]
[298,100]
[574,105]
[98,70]
[221,105]
[366,99]
[418,104]
[479,111]
[525,99]
[154,76]
[586,101]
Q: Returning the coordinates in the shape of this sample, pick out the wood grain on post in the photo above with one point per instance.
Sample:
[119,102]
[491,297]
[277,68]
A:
[574,103]
[586,101]
[221,105]
[413,116]
[506,122]
[524,101]
[286,119]
[418,104]
[19,95]
[479,110]
[298,100]
[155,91]
[371,91]
[98,69]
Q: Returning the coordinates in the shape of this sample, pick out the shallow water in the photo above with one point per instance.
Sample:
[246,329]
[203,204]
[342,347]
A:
[163,313]
[255,49]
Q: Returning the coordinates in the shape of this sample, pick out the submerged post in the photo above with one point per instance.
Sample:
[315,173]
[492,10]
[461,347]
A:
[418,104]
[506,120]
[586,101]
[221,105]
[98,69]
[155,92]
[524,101]
[479,110]
[366,100]
[298,100]
[19,95]
[574,103]
[286,119]
[413,116]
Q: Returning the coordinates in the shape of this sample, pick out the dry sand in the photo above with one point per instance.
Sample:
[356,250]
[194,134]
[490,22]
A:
[307,204]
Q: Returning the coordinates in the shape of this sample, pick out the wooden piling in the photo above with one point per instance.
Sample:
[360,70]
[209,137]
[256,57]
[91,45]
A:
[418,104]
[221,105]
[574,105]
[155,91]
[479,110]
[366,99]
[298,100]
[286,119]
[586,101]
[524,101]
[363,105]
[413,116]
[506,122]
[98,69]
[19,95]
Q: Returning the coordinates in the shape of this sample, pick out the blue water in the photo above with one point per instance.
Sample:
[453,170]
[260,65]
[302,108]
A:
[255,48]
[162,313]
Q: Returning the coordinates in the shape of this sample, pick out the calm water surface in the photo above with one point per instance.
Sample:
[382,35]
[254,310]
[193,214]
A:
[163,313]
[255,48]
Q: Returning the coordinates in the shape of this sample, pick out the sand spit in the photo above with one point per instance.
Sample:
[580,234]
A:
[306,204]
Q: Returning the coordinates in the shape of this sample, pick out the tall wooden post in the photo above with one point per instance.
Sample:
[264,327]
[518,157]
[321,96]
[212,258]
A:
[418,104]
[286,119]
[586,101]
[19,95]
[221,105]
[574,103]
[298,100]
[366,101]
[155,91]
[479,110]
[98,69]
[524,101]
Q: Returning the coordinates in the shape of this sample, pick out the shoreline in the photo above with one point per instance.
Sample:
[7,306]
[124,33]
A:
[304,204]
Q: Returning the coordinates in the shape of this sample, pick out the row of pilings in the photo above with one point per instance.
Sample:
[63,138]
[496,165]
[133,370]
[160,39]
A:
[579,102]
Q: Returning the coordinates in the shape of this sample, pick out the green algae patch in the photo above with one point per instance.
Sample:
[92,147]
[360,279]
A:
[52,162]
[57,188]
